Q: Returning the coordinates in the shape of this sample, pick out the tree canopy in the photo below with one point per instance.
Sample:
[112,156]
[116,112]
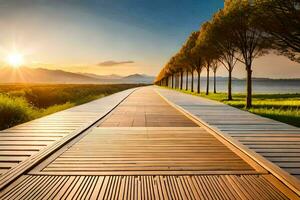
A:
[242,31]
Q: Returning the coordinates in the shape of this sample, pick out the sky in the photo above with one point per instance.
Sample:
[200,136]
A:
[112,36]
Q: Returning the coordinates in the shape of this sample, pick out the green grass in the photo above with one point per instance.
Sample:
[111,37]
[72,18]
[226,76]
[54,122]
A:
[14,110]
[281,107]
[20,103]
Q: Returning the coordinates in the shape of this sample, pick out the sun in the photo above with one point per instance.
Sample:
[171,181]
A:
[15,59]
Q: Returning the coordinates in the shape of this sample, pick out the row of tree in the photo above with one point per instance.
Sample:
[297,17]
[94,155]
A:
[240,32]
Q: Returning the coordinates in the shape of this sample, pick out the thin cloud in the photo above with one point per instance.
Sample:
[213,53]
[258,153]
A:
[114,63]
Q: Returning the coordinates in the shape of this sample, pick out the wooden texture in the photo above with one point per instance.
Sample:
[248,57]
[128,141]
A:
[219,187]
[148,150]
[276,141]
[172,149]
[144,108]
[170,157]
[25,144]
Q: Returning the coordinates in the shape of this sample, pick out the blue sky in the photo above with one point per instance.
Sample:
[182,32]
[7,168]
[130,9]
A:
[76,35]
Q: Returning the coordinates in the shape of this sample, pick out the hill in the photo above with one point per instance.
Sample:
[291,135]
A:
[41,75]
[103,77]
[138,78]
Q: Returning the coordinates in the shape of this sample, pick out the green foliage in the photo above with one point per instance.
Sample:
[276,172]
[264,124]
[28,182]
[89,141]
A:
[14,110]
[242,31]
[20,103]
[52,109]
[280,19]
[289,116]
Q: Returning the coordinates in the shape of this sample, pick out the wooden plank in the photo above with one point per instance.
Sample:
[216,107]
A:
[200,108]
[175,162]
[146,109]
[102,141]
[87,114]
[148,187]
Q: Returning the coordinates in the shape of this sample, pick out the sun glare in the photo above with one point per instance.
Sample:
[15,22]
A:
[15,59]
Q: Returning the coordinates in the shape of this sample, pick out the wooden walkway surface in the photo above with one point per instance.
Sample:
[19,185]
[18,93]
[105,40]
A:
[223,187]
[145,149]
[146,109]
[22,144]
[278,142]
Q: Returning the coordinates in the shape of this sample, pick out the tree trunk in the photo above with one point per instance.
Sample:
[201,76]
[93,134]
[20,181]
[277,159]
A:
[229,84]
[172,81]
[187,80]
[207,81]
[176,80]
[215,83]
[167,81]
[198,86]
[249,87]
[181,79]
[192,82]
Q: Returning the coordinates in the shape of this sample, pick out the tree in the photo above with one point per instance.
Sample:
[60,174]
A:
[206,50]
[173,67]
[239,17]
[195,57]
[172,70]
[172,80]
[215,67]
[181,78]
[180,69]
[187,80]
[280,20]
[188,58]
[199,70]
[220,38]
[167,73]
[207,66]
[177,64]
[199,65]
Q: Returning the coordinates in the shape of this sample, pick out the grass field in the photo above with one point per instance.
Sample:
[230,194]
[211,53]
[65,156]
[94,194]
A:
[20,103]
[281,107]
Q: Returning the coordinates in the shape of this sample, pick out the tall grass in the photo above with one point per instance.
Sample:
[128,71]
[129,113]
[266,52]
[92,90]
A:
[45,95]
[14,110]
[20,103]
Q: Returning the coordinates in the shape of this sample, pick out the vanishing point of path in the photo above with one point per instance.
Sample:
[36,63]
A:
[144,148]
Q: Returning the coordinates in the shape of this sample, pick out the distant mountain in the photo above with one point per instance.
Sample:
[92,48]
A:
[104,77]
[113,78]
[138,78]
[41,75]
[221,78]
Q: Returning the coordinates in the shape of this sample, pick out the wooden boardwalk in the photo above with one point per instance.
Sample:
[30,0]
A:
[145,148]
[276,141]
[146,109]
[25,143]
[223,187]
[143,151]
